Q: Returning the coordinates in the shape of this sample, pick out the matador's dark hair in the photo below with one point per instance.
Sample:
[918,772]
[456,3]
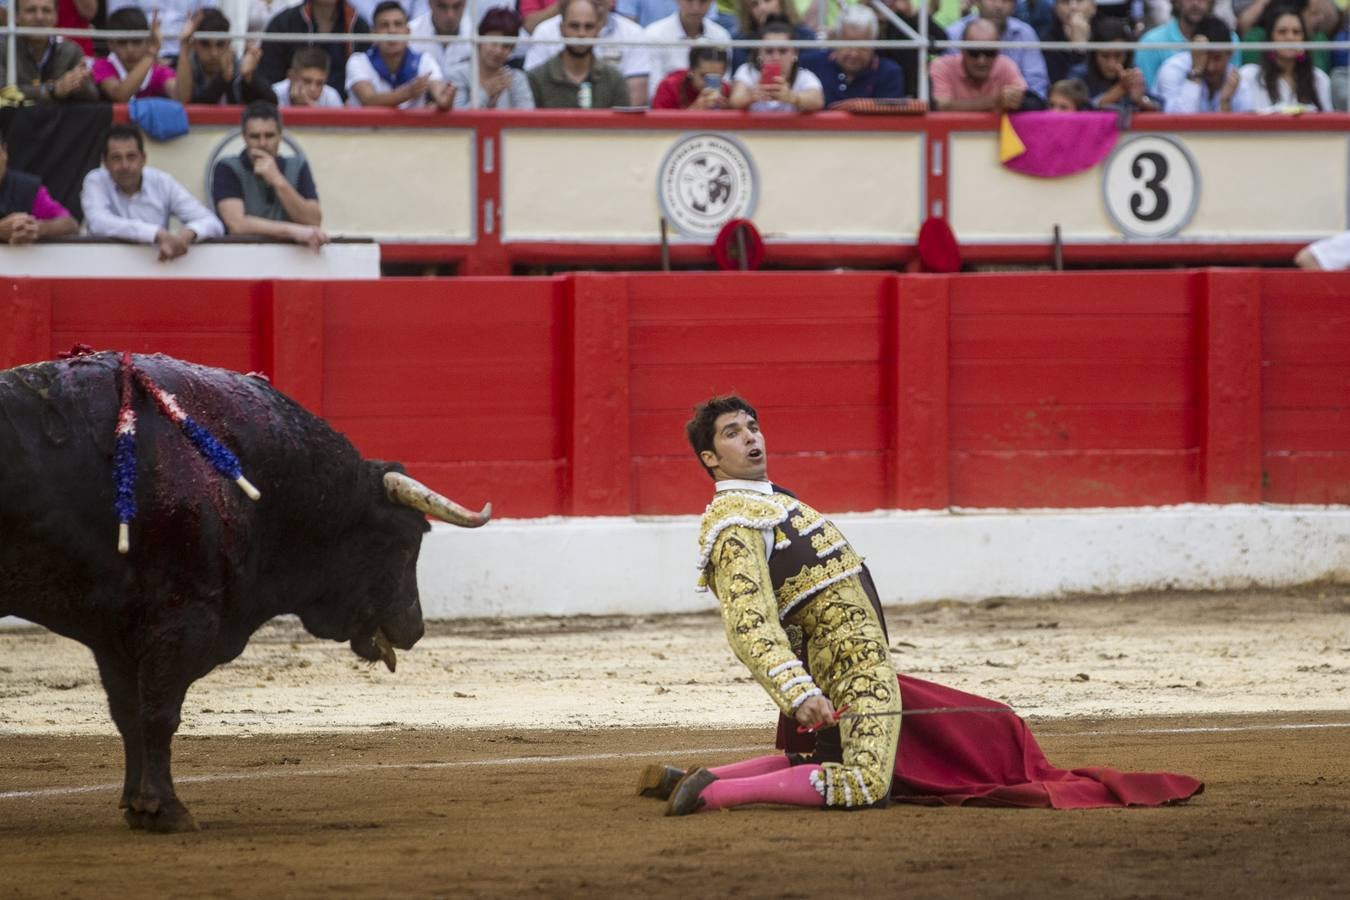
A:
[700,429]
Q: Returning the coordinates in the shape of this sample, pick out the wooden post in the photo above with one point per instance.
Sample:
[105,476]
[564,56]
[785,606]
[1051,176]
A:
[1230,386]
[919,328]
[292,346]
[600,464]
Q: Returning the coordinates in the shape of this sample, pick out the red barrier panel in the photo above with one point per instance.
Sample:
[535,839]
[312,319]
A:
[567,395]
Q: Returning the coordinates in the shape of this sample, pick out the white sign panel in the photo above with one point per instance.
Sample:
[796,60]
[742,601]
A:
[1151,186]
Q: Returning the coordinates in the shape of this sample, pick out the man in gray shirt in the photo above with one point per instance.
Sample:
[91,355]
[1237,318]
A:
[575,78]
[47,69]
[128,200]
[262,193]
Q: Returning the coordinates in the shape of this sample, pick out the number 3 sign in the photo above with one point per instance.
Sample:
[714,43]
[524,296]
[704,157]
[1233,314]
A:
[1150,186]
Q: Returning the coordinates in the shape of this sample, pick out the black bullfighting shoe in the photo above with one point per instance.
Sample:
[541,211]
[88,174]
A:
[687,797]
[658,780]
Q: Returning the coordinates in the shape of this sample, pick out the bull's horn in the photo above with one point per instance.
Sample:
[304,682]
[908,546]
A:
[411,492]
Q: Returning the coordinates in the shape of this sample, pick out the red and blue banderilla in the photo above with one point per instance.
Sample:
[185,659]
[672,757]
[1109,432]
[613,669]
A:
[124,448]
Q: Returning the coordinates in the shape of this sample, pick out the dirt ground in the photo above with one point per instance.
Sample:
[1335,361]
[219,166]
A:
[500,761]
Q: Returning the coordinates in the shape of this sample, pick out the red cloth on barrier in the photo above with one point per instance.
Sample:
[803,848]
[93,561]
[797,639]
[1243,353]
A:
[992,759]
[1055,144]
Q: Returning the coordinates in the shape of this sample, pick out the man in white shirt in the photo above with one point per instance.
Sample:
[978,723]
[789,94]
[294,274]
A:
[391,73]
[688,22]
[1203,79]
[125,199]
[546,43]
[306,84]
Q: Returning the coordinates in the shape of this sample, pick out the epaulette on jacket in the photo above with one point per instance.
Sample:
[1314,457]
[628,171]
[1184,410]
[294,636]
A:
[728,508]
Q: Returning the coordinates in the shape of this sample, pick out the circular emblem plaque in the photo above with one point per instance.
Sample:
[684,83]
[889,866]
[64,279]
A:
[705,181]
[1150,185]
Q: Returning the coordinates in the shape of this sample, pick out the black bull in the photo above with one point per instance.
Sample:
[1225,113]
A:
[334,539]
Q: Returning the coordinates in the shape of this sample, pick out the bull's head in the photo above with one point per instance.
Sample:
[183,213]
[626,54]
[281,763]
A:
[399,625]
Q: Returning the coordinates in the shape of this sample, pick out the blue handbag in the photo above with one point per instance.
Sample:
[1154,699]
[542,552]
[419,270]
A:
[159,117]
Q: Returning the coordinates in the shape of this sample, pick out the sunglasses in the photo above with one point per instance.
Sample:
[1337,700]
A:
[213,45]
[981,54]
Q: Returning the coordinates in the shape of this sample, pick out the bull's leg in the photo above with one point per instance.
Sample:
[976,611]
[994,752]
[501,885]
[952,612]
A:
[119,682]
[164,680]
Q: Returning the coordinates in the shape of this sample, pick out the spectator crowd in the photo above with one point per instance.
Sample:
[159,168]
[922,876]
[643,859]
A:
[530,56]
[259,193]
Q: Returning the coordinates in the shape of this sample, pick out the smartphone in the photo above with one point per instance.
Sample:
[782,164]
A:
[712,82]
[770,72]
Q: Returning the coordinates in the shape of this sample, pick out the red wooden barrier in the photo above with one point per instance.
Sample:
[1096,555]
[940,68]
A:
[567,395]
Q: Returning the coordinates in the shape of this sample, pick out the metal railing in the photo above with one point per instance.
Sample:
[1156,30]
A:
[917,38]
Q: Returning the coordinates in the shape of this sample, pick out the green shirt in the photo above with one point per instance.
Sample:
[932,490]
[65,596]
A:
[1256,34]
[554,90]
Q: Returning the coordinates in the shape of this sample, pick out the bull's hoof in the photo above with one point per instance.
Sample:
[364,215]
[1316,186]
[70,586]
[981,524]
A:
[170,818]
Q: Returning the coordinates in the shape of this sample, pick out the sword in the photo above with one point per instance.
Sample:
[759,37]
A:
[843,713]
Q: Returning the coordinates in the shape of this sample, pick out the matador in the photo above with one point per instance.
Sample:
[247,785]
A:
[801,613]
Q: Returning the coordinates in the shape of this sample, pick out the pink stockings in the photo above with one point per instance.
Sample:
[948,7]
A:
[765,779]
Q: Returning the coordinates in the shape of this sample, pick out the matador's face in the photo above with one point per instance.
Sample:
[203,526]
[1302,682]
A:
[738,448]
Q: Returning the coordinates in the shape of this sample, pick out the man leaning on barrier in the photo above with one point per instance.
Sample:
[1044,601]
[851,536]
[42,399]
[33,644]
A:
[208,72]
[848,73]
[27,212]
[980,79]
[306,84]
[47,69]
[1029,60]
[391,73]
[1204,79]
[259,192]
[327,17]
[130,201]
[575,78]
[631,61]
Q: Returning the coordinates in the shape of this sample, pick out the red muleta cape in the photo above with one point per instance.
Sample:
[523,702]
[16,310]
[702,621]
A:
[992,759]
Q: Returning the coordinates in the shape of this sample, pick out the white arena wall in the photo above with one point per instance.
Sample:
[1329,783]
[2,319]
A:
[620,565]
[646,565]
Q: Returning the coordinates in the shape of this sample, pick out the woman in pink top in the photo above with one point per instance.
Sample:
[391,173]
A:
[133,68]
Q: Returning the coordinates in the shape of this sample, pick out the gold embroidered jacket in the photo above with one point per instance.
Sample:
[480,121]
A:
[757,592]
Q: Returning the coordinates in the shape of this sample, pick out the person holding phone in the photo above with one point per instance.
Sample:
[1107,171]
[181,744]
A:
[703,85]
[773,81]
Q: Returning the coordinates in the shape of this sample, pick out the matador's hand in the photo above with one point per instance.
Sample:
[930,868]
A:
[815,713]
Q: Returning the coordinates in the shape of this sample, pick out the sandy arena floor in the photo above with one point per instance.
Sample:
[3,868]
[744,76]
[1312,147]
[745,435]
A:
[499,761]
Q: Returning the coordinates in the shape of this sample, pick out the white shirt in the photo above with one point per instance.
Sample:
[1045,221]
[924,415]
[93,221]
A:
[451,55]
[759,487]
[1251,75]
[661,61]
[173,14]
[328,98]
[546,43]
[359,68]
[112,214]
[1333,253]
[1181,94]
